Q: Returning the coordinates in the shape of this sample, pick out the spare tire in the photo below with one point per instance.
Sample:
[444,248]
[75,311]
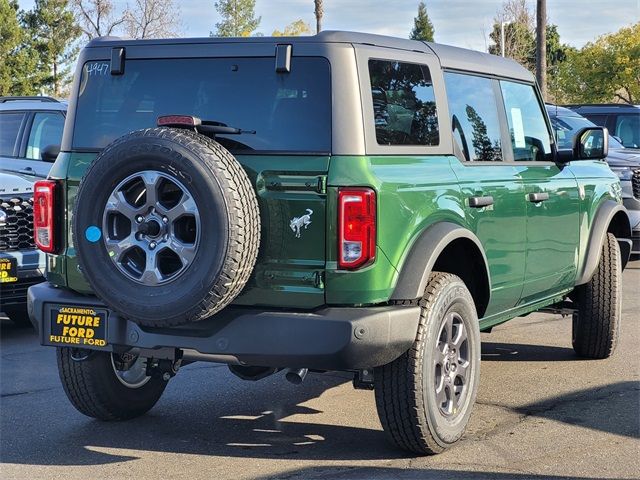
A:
[166,226]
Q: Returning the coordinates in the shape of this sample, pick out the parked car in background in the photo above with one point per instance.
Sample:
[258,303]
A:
[21,263]
[623,121]
[623,161]
[30,133]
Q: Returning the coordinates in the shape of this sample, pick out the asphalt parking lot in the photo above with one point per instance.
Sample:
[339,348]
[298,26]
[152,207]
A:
[541,413]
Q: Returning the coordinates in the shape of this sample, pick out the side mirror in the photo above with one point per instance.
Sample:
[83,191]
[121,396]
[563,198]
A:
[591,143]
[50,153]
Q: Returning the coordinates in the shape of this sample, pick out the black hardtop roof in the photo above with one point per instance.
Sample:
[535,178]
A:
[450,57]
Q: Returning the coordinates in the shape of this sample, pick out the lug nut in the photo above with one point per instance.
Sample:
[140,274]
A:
[165,220]
[139,219]
[152,245]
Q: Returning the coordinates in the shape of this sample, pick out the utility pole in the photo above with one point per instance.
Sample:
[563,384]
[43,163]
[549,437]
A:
[541,46]
[318,13]
[502,24]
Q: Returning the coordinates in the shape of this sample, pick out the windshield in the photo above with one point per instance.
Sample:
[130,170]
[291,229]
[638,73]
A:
[289,112]
[566,127]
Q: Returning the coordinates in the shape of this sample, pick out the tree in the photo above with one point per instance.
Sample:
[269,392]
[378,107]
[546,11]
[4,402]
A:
[541,46]
[519,30]
[318,11]
[97,18]
[605,70]
[53,34]
[19,73]
[294,29]
[152,19]
[422,26]
[238,18]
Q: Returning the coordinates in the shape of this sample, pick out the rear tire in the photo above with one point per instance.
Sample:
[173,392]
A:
[415,410]
[91,384]
[596,324]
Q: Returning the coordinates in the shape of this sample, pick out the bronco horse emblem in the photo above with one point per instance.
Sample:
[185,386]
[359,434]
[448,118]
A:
[297,223]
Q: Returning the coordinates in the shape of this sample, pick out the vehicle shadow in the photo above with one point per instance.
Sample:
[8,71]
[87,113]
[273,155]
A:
[389,473]
[593,408]
[267,419]
[237,419]
[520,352]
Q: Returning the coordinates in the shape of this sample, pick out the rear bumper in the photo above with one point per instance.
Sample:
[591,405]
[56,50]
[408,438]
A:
[345,338]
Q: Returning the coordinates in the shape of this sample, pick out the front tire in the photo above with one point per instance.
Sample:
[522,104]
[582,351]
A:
[98,388]
[425,397]
[596,323]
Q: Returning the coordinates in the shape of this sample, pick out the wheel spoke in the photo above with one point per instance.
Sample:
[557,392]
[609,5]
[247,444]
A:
[448,325]
[150,179]
[117,248]
[461,370]
[151,274]
[461,335]
[185,251]
[118,203]
[441,394]
[456,396]
[187,206]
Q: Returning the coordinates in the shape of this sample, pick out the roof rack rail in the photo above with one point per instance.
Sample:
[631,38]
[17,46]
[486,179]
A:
[33,98]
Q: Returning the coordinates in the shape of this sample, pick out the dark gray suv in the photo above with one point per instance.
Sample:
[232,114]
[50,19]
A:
[30,133]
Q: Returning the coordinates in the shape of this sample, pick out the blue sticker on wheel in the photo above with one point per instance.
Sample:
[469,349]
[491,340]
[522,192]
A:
[93,234]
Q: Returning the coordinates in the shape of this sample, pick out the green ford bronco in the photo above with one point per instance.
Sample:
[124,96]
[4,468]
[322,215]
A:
[338,202]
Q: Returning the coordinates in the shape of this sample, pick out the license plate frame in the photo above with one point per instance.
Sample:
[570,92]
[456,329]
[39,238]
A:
[8,270]
[78,326]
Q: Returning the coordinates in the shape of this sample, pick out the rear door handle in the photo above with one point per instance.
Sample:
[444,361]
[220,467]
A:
[479,202]
[537,197]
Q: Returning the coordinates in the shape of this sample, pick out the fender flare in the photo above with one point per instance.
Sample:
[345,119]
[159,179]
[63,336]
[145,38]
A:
[423,254]
[599,229]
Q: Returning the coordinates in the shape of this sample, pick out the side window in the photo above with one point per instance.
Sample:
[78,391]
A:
[46,130]
[474,117]
[404,104]
[627,128]
[9,130]
[529,133]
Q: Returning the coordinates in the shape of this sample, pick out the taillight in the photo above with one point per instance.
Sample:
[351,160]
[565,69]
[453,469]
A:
[356,227]
[44,215]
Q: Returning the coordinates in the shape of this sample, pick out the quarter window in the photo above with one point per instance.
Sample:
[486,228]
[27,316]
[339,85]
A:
[530,137]
[9,130]
[404,103]
[46,130]
[474,117]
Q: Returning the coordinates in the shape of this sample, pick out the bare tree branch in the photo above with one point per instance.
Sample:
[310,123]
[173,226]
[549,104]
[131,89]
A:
[153,19]
[97,18]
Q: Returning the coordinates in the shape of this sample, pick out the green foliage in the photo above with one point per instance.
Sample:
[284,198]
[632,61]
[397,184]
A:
[422,26]
[605,70]
[19,74]
[53,33]
[294,29]
[238,18]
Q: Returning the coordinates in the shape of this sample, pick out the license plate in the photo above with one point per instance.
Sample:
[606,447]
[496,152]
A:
[78,326]
[8,270]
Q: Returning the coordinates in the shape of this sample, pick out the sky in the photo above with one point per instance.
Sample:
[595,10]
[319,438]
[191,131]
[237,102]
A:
[463,23]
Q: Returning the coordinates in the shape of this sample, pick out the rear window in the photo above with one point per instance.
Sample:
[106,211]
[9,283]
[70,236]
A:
[289,112]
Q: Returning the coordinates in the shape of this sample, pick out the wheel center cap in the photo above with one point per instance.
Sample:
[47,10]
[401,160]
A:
[150,228]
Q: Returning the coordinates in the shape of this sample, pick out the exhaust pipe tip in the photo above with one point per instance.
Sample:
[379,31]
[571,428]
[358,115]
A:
[296,375]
